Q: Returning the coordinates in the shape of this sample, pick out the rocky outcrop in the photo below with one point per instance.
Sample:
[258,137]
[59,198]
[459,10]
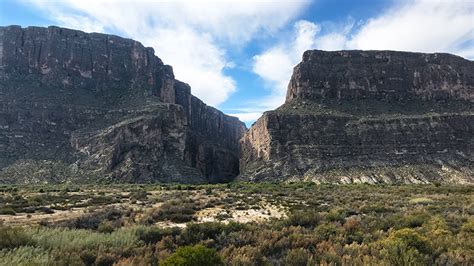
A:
[102,107]
[368,116]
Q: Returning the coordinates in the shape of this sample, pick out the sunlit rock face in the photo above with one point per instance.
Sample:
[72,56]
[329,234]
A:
[96,107]
[369,117]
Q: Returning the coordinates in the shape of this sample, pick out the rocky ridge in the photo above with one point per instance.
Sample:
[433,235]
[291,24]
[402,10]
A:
[371,117]
[89,106]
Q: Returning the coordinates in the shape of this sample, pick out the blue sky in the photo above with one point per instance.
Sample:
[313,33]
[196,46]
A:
[238,55]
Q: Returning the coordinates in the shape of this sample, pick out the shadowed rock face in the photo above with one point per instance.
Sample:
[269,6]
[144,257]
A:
[368,116]
[89,106]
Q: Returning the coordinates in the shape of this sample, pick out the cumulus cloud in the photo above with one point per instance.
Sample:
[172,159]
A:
[275,64]
[189,35]
[410,25]
[422,25]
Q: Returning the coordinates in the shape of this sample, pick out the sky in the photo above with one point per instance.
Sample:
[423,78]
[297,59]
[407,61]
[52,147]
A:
[238,56]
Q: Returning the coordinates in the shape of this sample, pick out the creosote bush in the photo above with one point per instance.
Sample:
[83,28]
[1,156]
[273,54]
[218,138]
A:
[197,255]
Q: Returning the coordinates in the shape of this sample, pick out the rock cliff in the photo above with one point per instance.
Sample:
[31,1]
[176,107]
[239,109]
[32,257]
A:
[90,106]
[368,116]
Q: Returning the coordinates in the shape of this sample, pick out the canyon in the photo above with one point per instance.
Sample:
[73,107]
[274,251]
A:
[91,107]
[368,117]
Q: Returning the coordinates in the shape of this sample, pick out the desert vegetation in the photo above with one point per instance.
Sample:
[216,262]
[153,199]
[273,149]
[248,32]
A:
[237,224]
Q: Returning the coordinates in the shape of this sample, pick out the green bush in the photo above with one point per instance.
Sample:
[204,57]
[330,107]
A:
[152,235]
[297,257]
[197,255]
[468,227]
[406,247]
[195,233]
[13,238]
[139,195]
[327,231]
[25,256]
[304,218]
[176,211]
[335,215]
[7,211]
[105,227]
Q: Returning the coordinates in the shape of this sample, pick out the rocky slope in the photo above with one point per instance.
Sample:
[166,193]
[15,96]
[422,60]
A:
[89,106]
[368,116]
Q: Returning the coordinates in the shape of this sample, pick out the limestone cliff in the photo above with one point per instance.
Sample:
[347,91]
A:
[90,106]
[368,116]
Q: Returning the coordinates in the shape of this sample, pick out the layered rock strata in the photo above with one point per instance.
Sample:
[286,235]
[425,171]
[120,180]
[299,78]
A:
[368,116]
[90,106]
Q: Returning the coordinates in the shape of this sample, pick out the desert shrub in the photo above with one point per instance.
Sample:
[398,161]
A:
[25,256]
[46,210]
[139,195]
[81,240]
[406,247]
[297,257]
[197,255]
[335,215]
[330,257]
[175,210]
[151,235]
[94,220]
[375,208]
[326,231]
[468,227]
[11,237]
[195,232]
[105,227]
[352,225]
[245,255]
[304,218]
[399,221]
[105,260]
[7,211]
[102,200]
[413,220]
[88,257]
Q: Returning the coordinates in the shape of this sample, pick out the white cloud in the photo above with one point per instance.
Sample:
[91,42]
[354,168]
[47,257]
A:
[275,65]
[247,117]
[189,35]
[411,25]
[421,25]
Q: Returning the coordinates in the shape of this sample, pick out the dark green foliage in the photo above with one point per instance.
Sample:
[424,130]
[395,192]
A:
[152,235]
[327,231]
[304,218]
[105,227]
[178,211]
[7,211]
[297,257]
[197,232]
[13,237]
[105,260]
[406,247]
[93,220]
[197,255]
[139,195]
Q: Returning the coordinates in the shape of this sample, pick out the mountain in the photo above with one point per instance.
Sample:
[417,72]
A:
[84,107]
[368,116]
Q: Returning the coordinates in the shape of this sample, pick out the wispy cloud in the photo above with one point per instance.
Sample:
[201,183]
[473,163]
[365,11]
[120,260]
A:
[192,36]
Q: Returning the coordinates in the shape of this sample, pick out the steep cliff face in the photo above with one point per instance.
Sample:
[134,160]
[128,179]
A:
[383,75]
[368,116]
[98,106]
